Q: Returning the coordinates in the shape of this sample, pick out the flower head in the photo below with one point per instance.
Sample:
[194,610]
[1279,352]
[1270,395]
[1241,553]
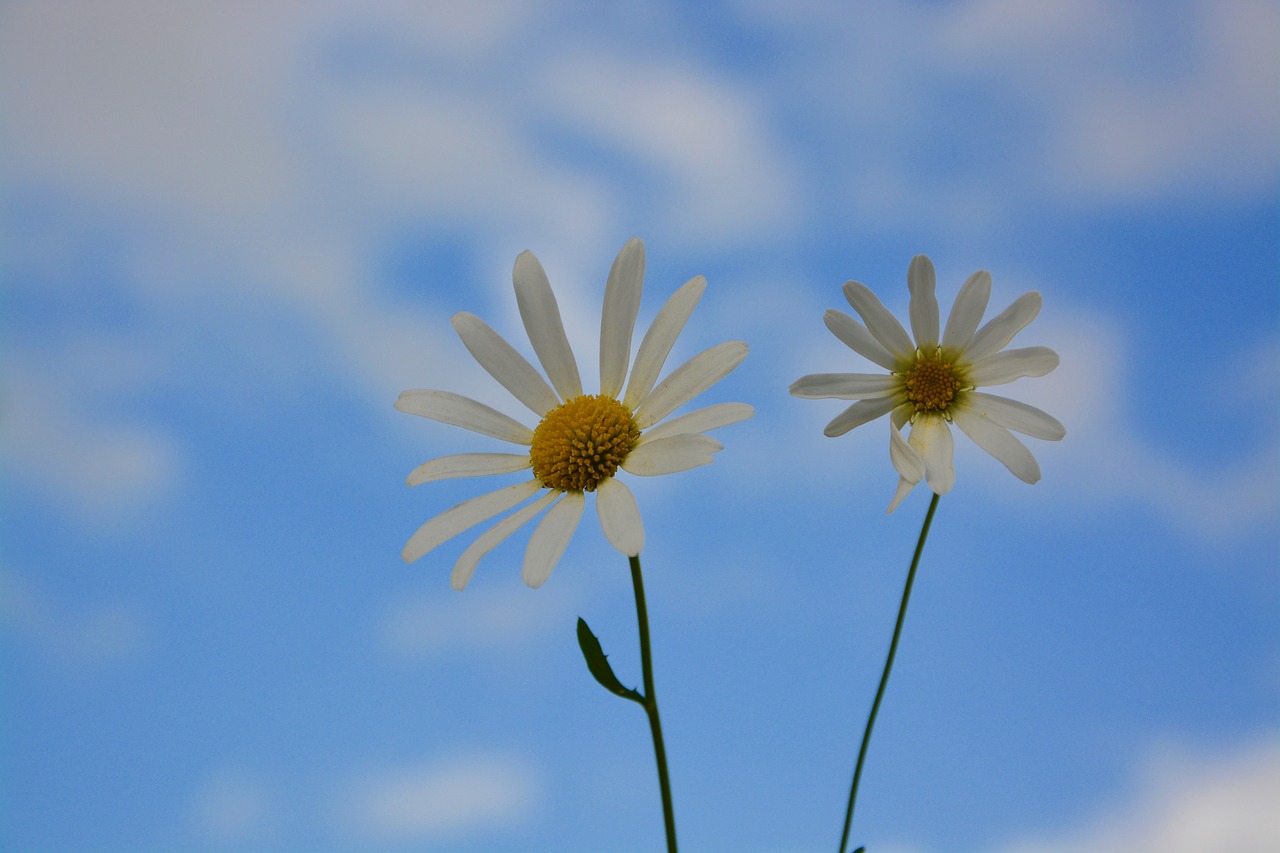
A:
[581,440]
[932,382]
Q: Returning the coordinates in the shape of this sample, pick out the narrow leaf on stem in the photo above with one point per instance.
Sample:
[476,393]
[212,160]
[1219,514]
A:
[598,663]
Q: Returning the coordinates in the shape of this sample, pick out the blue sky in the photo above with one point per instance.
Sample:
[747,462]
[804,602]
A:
[233,234]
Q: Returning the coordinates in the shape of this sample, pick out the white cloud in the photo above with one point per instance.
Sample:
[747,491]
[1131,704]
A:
[428,803]
[1187,805]
[110,471]
[958,118]
[496,618]
[148,100]
[234,805]
[465,33]
[1108,456]
[1133,109]
[105,633]
[708,142]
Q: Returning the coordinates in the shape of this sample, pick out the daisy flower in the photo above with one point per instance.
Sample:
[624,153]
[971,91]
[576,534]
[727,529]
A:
[580,440]
[932,383]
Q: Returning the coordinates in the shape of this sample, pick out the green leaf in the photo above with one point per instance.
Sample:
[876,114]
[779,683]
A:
[598,663]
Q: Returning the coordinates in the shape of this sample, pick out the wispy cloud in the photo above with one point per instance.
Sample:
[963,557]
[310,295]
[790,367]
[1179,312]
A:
[105,633]
[717,170]
[1156,105]
[432,802]
[235,805]
[1110,457]
[495,618]
[1186,805]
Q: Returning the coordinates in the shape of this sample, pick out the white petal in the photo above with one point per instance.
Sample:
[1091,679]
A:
[493,537]
[541,316]
[550,538]
[855,336]
[904,488]
[671,454]
[618,318]
[661,336]
[861,412]
[882,325]
[504,364]
[700,420]
[994,335]
[1008,365]
[845,386]
[464,516]
[456,410]
[619,516]
[921,280]
[468,465]
[906,460]
[1016,416]
[1000,443]
[689,380]
[932,439]
[966,311]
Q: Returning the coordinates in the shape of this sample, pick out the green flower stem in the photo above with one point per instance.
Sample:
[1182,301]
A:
[888,665]
[651,706]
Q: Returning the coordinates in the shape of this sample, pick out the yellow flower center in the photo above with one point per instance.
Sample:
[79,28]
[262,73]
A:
[932,383]
[582,442]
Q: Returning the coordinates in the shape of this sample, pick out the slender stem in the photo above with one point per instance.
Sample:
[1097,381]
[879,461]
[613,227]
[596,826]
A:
[888,665]
[651,706]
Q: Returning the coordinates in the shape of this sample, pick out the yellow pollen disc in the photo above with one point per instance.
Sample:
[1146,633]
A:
[581,442]
[932,384]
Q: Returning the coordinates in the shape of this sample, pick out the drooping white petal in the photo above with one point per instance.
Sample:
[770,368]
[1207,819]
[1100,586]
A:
[855,336]
[504,364]
[1014,415]
[456,410]
[688,381]
[619,516]
[906,460]
[656,344]
[861,412]
[845,386]
[904,488]
[932,439]
[541,316]
[493,537]
[921,281]
[671,454]
[464,516]
[468,465]
[700,420]
[618,317]
[882,325]
[550,538]
[1010,364]
[1000,443]
[966,311]
[994,335]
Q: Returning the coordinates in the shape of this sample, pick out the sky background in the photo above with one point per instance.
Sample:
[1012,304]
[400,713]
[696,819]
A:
[232,233]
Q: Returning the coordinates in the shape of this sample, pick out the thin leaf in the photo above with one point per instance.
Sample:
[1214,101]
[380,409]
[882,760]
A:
[598,663]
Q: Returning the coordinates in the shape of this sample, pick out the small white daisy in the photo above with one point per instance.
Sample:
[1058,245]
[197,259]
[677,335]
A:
[932,382]
[581,440]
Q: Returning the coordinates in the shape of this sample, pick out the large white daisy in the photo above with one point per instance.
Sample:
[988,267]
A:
[581,440]
[932,382]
